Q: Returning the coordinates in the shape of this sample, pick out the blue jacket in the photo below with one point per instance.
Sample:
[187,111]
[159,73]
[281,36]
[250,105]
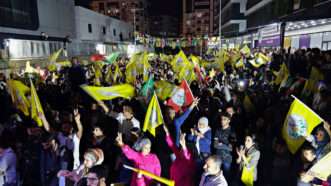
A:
[179,122]
[204,143]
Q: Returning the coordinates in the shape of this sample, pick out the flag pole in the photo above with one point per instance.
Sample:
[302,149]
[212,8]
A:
[307,107]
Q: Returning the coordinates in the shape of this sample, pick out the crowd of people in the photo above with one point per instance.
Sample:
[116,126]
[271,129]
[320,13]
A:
[215,141]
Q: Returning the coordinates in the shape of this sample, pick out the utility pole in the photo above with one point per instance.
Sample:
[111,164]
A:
[220,24]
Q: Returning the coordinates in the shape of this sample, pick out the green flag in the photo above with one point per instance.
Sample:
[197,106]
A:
[112,58]
[148,88]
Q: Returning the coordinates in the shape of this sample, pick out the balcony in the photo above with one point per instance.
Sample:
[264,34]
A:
[251,3]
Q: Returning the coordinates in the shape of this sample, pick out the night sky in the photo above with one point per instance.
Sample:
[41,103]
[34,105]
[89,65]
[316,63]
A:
[168,7]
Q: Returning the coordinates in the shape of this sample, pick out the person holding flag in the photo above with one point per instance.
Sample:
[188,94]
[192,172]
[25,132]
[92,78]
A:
[143,160]
[179,121]
[321,140]
[312,154]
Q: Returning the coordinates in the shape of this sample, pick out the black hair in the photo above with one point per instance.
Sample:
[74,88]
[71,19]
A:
[225,114]
[254,139]
[100,171]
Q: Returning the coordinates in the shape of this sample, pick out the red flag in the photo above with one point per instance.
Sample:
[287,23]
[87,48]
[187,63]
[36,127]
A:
[181,97]
[97,57]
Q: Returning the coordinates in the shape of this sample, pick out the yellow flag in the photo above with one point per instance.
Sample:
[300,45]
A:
[138,65]
[165,58]
[235,57]
[164,89]
[179,62]
[53,57]
[65,63]
[187,73]
[107,93]
[153,176]
[131,72]
[195,59]
[17,91]
[97,73]
[153,116]
[321,168]
[300,121]
[260,59]
[282,75]
[311,83]
[117,73]
[36,107]
[109,77]
[146,67]
[240,63]
[246,51]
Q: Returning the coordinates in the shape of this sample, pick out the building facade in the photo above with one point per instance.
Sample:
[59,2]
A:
[205,16]
[49,25]
[232,17]
[306,24]
[131,11]
[197,18]
[164,26]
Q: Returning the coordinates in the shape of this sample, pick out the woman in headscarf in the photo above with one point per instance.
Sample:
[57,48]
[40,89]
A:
[321,140]
[142,159]
[201,137]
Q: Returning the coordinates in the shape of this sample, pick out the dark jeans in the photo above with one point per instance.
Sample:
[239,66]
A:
[226,167]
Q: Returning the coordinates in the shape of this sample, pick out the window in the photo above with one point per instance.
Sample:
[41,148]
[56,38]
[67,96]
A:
[114,32]
[90,28]
[104,30]
[137,27]
[19,14]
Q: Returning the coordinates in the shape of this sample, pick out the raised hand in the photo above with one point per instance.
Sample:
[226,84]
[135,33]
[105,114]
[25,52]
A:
[77,115]
[119,140]
[326,126]
[182,141]
[195,102]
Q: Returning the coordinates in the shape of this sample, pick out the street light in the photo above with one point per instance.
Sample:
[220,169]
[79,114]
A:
[134,22]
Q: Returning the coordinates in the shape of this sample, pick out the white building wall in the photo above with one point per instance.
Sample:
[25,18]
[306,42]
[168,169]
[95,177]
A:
[56,18]
[295,42]
[84,17]
[316,40]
